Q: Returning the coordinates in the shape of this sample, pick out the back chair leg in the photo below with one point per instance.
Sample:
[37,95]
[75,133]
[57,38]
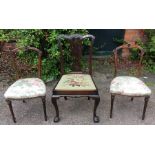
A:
[44,107]
[112,103]
[95,117]
[54,102]
[11,110]
[145,106]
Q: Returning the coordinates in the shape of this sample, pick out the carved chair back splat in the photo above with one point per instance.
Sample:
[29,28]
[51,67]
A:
[76,50]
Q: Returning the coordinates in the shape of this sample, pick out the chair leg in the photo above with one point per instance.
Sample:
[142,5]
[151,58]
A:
[24,101]
[112,103]
[44,107]
[88,98]
[11,110]
[65,98]
[95,117]
[145,106]
[131,98]
[54,102]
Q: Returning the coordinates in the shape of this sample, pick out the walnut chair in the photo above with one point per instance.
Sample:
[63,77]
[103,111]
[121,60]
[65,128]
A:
[129,85]
[27,88]
[77,83]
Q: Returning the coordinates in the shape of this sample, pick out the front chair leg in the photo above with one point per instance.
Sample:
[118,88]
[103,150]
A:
[11,110]
[112,103]
[54,102]
[95,117]
[145,106]
[44,107]
[131,98]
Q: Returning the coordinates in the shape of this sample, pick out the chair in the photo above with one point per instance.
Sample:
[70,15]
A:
[27,88]
[77,83]
[129,85]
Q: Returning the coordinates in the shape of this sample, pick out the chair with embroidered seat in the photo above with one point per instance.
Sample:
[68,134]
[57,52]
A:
[129,85]
[76,83]
[27,88]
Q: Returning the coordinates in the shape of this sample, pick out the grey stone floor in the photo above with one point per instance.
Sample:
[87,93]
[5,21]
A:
[79,111]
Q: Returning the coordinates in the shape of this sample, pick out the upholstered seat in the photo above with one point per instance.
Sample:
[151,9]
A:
[130,86]
[75,82]
[26,88]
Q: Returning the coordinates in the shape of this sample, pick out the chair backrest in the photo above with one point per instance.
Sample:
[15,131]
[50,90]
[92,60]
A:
[76,50]
[128,56]
[28,49]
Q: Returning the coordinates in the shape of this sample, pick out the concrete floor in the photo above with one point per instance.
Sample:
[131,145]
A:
[79,110]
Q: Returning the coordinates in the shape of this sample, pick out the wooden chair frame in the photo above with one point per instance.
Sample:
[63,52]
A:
[43,98]
[76,51]
[139,69]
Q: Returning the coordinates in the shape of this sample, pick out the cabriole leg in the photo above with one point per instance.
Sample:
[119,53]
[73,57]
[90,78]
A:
[95,117]
[54,102]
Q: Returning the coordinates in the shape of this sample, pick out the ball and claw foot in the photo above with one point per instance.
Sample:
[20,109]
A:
[96,119]
[56,119]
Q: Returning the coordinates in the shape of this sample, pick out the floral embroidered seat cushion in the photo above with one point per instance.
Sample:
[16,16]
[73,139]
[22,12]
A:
[26,88]
[76,82]
[130,86]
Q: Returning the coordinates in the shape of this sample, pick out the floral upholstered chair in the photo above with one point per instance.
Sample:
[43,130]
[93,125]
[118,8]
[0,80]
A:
[76,83]
[128,56]
[27,88]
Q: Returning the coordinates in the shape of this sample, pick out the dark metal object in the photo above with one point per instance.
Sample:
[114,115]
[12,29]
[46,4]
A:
[106,40]
[39,76]
[75,42]
[124,61]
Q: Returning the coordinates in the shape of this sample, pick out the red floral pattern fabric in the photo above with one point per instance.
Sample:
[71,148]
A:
[76,82]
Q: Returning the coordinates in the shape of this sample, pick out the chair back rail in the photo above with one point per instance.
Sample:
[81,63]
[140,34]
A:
[39,68]
[124,60]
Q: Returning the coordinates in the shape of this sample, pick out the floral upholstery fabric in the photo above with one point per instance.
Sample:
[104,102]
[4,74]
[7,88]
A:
[26,88]
[131,86]
[76,82]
